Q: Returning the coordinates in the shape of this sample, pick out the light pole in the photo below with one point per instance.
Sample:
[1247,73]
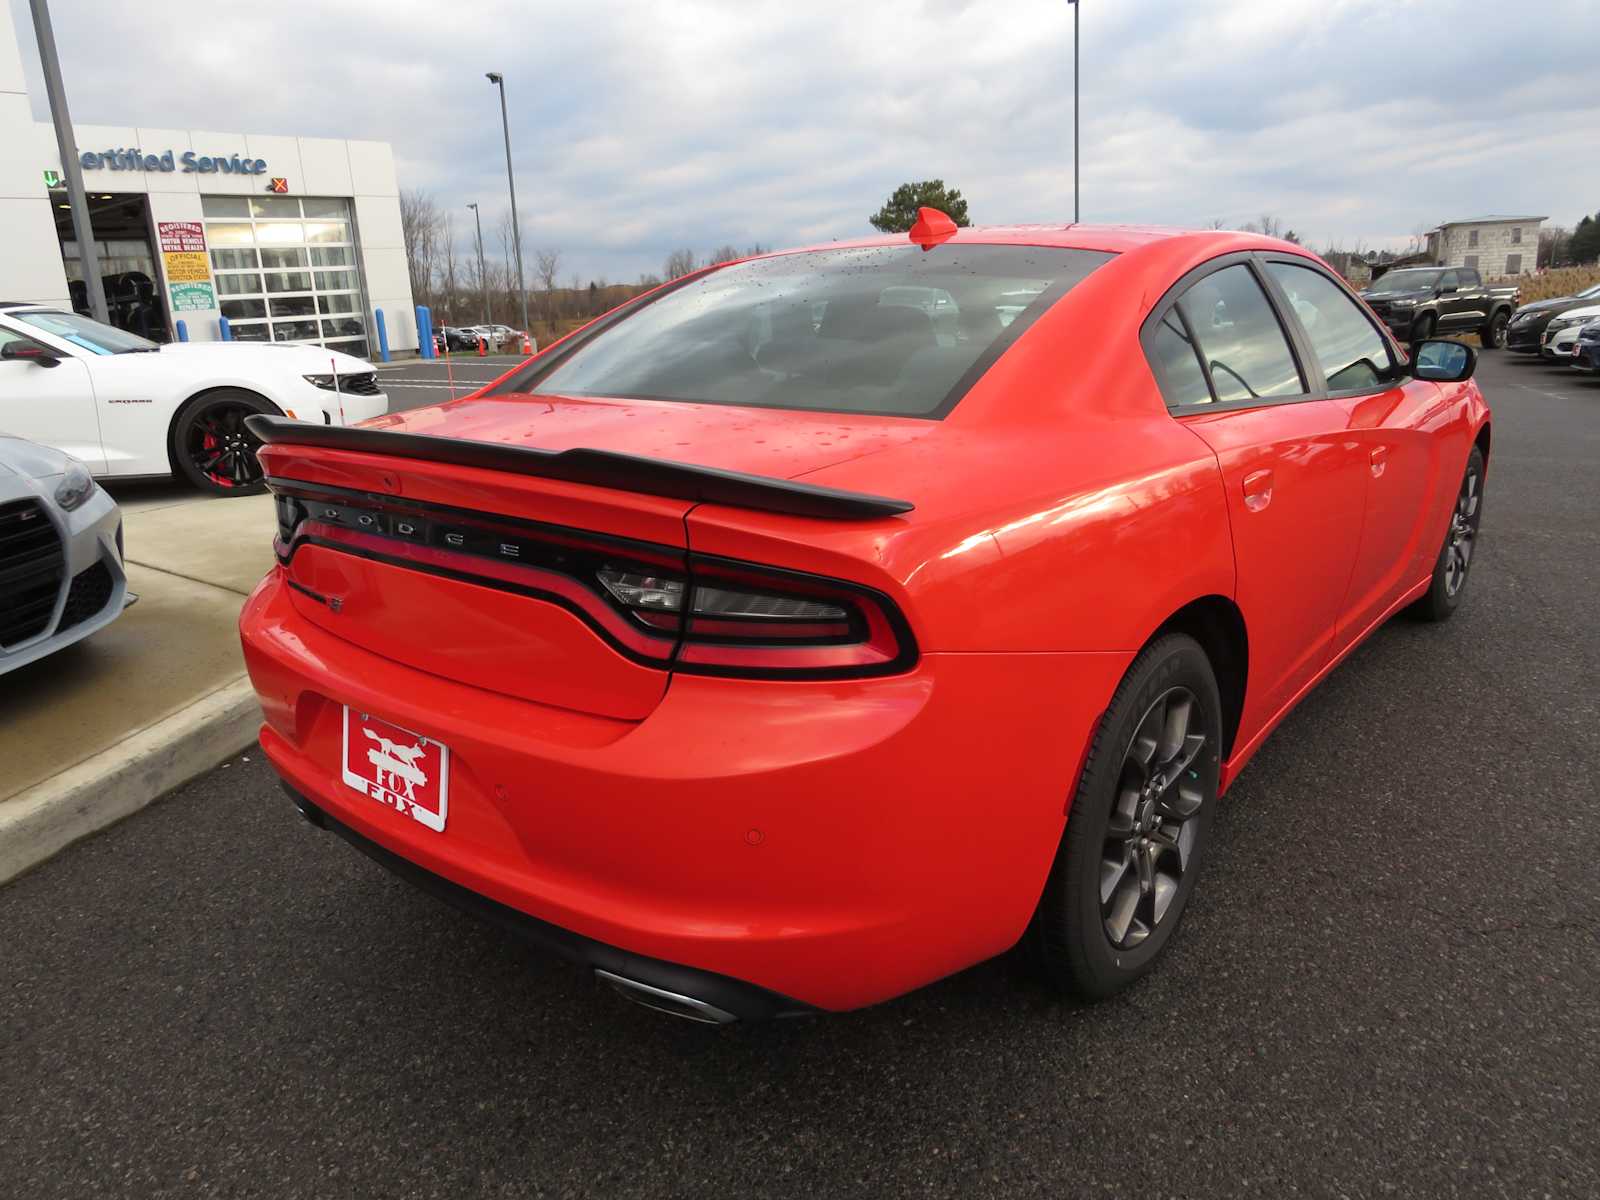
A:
[483,277]
[82,227]
[1074,4]
[499,81]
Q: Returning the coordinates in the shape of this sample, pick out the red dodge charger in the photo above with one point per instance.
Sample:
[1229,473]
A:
[818,625]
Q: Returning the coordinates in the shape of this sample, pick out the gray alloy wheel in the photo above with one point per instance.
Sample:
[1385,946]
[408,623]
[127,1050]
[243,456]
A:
[1493,335]
[1463,531]
[1454,563]
[1136,827]
[1422,328]
[1150,837]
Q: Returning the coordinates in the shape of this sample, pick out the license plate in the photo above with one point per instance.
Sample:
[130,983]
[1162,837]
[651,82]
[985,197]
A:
[399,769]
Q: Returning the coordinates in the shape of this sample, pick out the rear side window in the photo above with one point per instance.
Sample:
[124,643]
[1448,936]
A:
[879,329]
[1239,337]
[1352,353]
[1177,363]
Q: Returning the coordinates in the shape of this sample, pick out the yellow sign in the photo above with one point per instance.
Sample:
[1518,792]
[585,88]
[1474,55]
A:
[187,266]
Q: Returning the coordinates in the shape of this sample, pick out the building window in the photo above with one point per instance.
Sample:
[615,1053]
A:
[1472,237]
[1470,261]
[1513,264]
[1516,235]
[267,257]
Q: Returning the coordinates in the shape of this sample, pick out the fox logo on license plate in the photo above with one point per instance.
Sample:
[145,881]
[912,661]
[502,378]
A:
[396,767]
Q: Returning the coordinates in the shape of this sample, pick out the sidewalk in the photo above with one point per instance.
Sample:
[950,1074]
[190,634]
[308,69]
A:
[101,729]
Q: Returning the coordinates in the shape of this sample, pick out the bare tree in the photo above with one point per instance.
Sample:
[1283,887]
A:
[723,254]
[421,222]
[546,266]
[679,263]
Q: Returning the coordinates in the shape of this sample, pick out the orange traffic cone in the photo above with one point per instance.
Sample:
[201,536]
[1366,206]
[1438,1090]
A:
[482,350]
[527,344]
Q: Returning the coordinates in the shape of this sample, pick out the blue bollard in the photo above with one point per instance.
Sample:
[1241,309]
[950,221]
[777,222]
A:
[425,332]
[183,331]
[227,330]
[383,335]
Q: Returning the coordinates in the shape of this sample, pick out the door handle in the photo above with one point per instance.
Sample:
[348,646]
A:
[1257,490]
[1380,460]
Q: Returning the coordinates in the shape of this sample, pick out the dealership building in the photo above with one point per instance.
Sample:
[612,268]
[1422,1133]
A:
[257,237]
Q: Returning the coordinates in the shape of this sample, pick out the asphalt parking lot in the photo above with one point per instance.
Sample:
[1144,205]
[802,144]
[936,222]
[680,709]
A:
[416,382]
[1388,982]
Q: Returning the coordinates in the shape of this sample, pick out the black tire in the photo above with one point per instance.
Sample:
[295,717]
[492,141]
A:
[1493,334]
[210,446]
[1072,931]
[1422,328]
[1454,564]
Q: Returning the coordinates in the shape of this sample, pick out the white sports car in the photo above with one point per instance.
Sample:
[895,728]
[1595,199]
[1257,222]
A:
[125,406]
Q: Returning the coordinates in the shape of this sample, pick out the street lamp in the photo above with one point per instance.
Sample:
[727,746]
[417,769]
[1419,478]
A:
[1074,4]
[499,81]
[483,276]
[82,226]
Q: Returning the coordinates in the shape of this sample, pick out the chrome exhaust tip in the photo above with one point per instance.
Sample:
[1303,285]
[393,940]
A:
[663,1001]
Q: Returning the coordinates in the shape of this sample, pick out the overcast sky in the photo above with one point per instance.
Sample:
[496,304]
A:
[641,126]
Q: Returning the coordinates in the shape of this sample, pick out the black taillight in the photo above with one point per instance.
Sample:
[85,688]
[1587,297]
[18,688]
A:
[658,605]
[290,513]
[737,618]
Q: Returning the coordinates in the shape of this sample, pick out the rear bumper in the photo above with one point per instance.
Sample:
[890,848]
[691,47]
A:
[837,843]
[716,997]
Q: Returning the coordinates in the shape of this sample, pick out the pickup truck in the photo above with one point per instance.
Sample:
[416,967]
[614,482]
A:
[1418,302]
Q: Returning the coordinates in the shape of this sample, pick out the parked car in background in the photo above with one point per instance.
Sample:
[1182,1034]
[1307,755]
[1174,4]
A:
[1417,302]
[768,664]
[1560,340]
[1586,354]
[1525,333]
[61,575]
[126,406]
[459,337]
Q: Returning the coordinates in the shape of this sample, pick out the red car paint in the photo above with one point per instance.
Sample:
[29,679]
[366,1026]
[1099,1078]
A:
[841,840]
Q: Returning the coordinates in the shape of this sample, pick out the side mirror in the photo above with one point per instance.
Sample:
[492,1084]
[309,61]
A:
[29,352]
[1443,361]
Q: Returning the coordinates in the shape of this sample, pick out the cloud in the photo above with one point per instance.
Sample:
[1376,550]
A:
[638,128]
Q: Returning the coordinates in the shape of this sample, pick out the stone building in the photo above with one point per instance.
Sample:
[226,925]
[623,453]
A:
[1494,245]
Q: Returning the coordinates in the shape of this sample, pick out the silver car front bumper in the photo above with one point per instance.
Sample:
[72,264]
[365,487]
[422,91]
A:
[92,589]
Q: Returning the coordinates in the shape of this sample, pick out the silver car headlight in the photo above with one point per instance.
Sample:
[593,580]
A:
[76,486]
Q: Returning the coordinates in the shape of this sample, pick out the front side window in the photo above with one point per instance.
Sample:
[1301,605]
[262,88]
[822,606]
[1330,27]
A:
[876,329]
[1240,338]
[85,333]
[1352,353]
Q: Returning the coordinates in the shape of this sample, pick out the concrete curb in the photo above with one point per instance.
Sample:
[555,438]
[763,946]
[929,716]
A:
[119,781]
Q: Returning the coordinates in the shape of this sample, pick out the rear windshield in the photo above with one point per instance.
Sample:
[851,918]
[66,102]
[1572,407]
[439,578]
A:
[882,329]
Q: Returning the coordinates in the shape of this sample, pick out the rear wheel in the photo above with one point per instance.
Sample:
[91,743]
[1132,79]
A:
[1460,542]
[211,446]
[1493,334]
[1137,826]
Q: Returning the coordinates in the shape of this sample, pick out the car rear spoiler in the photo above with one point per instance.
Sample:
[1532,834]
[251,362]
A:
[602,468]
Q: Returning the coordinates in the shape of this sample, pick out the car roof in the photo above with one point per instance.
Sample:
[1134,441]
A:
[1113,238]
